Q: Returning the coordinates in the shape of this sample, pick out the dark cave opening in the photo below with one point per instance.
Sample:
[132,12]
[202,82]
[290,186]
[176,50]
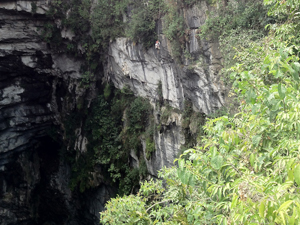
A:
[47,200]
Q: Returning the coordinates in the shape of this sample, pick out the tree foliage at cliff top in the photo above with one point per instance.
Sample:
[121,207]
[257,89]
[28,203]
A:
[248,169]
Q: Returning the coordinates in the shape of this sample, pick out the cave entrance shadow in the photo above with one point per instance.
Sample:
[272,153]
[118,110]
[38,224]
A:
[48,202]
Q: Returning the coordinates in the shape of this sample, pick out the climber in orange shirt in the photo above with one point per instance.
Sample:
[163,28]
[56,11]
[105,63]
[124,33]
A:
[157,44]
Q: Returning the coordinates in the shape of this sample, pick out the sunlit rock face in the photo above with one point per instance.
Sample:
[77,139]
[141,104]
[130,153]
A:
[129,64]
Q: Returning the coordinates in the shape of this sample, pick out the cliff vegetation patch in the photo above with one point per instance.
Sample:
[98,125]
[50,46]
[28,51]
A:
[247,168]
[117,125]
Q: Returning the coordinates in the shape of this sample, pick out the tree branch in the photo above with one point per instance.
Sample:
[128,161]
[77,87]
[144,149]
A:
[157,204]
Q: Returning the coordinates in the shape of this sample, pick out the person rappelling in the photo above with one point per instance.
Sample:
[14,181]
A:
[157,45]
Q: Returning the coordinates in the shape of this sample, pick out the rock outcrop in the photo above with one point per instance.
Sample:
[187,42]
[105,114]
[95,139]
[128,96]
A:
[34,80]
[40,86]
[129,64]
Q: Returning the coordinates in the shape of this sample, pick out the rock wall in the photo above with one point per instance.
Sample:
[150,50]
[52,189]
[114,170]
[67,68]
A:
[34,80]
[129,64]
[40,86]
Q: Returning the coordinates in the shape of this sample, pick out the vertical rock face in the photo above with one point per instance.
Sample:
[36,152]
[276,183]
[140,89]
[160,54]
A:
[38,88]
[34,80]
[130,65]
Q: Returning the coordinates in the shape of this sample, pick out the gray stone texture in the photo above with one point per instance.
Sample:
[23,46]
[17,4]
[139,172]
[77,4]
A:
[129,64]
[40,86]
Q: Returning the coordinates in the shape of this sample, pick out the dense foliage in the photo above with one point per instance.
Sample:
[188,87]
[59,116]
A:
[248,15]
[247,168]
[96,23]
[117,124]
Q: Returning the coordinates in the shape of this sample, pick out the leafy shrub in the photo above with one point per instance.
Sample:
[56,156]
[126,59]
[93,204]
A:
[51,34]
[192,123]
[247,170]
[150,147]
[248,15]
[107,91]
[107,20]
[141,27]
[287,15]
[110,140]
[78,16]
[138,114]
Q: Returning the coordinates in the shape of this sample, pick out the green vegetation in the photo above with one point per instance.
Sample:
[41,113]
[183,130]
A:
[138,119]
[107,91]
[87,78]
[33,8]
[166,112]
[150,147]
[141,27]
[81,166]
[192,124]
[248,15]
[107,20]
[51,34]
[95,25]
[116,125]
[247,168]
[237,26]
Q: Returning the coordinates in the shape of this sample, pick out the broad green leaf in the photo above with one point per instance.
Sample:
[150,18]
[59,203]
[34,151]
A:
[256,140]
[296,76]
[297,174]
[296,67]
[234,201]
[217,162]
[282,217]
[278,74]
[251,96]
[291,174]
[262,208]
[181,163]
[232,75]
[290,163]
[285,205]
[292,218]
[281,91]
[191,180]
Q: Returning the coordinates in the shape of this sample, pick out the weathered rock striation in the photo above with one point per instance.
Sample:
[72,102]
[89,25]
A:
[40,86]
[34,79]
[130,65]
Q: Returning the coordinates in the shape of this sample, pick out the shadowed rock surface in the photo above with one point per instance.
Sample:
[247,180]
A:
[40,86]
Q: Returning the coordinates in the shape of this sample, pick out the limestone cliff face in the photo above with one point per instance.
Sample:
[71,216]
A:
[34,80]
[129,64]
[40,86]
